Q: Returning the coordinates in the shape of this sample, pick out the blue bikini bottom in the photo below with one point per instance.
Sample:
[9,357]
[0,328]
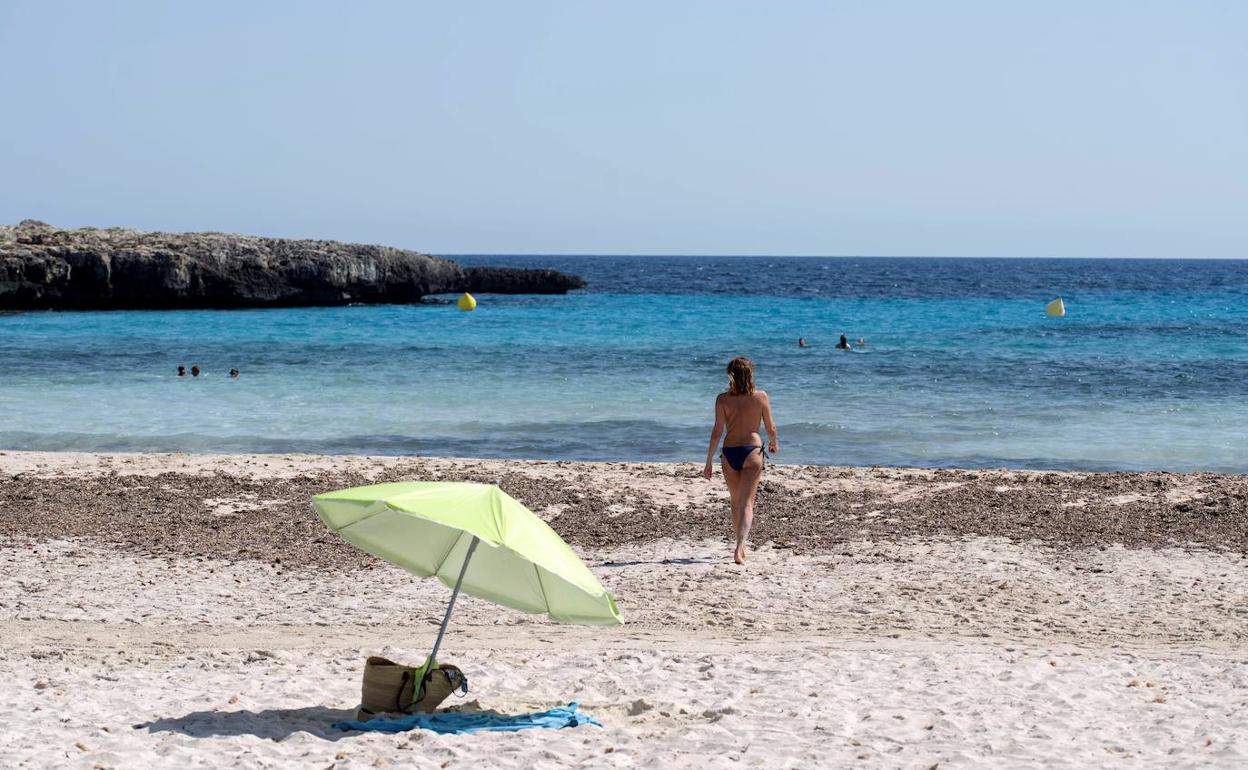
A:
[737,455]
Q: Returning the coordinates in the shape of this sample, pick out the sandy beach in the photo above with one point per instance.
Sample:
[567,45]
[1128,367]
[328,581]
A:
[191,611]
[969,280]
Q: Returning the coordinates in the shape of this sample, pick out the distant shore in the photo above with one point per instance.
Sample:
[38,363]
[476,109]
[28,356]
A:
[43,267]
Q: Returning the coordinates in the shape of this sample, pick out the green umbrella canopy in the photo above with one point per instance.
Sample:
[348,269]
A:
[428,528]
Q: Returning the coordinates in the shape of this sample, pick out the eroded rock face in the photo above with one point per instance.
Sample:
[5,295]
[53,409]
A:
[42,266]
[510,280]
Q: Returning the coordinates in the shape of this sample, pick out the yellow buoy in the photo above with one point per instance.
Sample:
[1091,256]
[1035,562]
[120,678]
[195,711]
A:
[1056,308]
[467,302]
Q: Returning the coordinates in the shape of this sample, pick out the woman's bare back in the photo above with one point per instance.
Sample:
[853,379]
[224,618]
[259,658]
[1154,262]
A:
[742,416]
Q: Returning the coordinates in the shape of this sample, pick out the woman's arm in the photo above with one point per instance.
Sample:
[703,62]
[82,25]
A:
[773,440]
[717,430]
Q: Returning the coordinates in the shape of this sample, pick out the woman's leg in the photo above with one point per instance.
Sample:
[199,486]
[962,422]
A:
[743,501]
[732,478]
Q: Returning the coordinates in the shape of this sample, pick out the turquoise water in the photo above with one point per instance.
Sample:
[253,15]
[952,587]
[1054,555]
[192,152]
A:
[1142,373]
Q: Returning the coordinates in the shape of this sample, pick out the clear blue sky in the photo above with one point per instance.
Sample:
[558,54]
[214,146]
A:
[856,128]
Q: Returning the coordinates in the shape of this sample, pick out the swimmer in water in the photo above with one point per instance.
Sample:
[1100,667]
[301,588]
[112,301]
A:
[843,344]
[801,342]
[862,342]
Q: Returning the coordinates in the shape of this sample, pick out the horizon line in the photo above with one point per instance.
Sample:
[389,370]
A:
[649,254]
[449,254]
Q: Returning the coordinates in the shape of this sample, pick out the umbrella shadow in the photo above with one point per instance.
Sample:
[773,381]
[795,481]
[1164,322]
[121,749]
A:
[274,724]
[681,562]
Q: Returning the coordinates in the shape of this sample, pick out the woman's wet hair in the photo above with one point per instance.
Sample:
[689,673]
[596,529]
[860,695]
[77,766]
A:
[740,376]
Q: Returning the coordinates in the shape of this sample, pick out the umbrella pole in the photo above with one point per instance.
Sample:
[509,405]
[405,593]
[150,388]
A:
[433,656]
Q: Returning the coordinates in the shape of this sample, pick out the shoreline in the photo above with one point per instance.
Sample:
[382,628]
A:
[995,466]
[27,460]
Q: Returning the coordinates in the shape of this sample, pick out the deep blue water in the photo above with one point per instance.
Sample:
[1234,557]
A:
[1149,369]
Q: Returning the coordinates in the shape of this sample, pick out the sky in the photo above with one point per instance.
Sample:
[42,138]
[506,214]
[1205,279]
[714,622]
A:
[1116,129]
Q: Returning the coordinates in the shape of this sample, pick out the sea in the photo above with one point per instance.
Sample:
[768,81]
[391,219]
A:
[962,367]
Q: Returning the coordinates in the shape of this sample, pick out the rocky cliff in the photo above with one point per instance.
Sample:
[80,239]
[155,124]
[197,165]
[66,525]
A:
[42,266]
[510,280]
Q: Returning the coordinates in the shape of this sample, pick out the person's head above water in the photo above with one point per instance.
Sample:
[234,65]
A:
[195,370]
[181,371]
[740,376]
[234,373]
[801,342]
[844,340]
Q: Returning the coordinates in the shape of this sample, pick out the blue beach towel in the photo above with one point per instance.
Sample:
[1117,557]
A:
[476,721]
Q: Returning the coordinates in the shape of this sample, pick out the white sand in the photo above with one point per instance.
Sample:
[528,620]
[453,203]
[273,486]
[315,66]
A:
[911,652]
[973,653]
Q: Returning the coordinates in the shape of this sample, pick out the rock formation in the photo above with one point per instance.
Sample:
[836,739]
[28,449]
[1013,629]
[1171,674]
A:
[511,280]
[46,267]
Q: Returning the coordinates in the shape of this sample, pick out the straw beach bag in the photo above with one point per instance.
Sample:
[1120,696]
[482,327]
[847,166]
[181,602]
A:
[391,687]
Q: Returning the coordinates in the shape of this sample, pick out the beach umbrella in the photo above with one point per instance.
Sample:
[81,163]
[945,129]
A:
[475,538]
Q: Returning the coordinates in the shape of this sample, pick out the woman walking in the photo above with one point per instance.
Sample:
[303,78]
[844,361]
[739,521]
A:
[737,414]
